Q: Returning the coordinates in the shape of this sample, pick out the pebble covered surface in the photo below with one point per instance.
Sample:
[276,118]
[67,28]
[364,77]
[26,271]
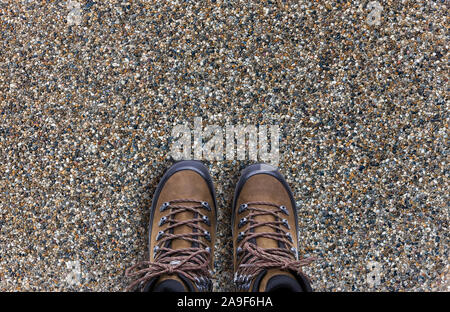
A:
[90,92]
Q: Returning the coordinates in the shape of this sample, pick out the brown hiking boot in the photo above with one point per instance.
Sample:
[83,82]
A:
[181,232]
[265,227]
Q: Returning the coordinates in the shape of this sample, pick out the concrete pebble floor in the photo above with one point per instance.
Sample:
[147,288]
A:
[90,92]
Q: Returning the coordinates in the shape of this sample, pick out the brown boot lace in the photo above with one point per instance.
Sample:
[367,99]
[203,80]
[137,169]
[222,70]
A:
[255,259]
[192,263]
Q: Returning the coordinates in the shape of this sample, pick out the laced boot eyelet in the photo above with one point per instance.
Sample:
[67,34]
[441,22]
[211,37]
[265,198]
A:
[155,251]
[203,283]
[247,282]
[284,210]
[294,251]
[207,236]
[160,235]
[162,221]
[289,236]
[242,222]
[239,251]
[206,205]
[236,278]
[206,220]
[206,282]
[242,208]
[240,236]
[164,206]
[198,284]
[286,224]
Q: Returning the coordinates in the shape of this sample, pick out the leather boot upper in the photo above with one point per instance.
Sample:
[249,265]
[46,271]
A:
[182,232]
[265,231]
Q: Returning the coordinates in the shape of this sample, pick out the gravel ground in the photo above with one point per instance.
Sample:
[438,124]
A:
[89,95]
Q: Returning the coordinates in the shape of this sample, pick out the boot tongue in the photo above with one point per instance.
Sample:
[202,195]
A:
[276,280]
[170,283]
[183,229]
[263,241]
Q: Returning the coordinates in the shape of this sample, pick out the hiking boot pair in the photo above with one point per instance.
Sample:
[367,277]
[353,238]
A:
[182,231]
